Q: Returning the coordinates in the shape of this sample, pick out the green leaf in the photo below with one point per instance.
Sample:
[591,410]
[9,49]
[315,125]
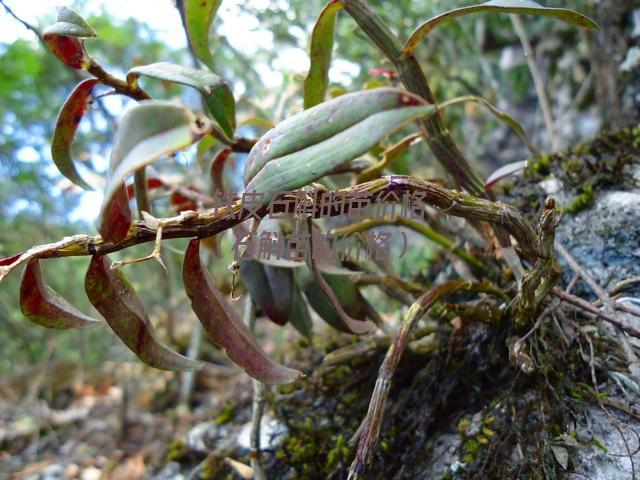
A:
[70,115]
[113,296]
[312,143]
[70,24]
[198,17]
[147,132]
[223,324]
[216,92]
[499,114]
[299,317]
[42,305]
[520,7]
[320,51]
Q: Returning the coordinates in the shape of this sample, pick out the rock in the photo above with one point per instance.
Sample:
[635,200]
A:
[170,472]
[591,460]
[271,433]
[605,238]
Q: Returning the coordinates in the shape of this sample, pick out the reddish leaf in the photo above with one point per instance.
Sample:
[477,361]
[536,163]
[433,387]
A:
[217,168]
[223,324]
[68,120]
[69,50]
[42,305]
[114,297]
[115,219]
[10,260]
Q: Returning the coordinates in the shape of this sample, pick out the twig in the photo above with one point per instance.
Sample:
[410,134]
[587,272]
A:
[26,24]
[191,224]
[632,358]
[587,307]
[259,400]
[537,81]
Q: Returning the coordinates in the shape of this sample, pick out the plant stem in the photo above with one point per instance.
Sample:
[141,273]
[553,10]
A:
[191,224]
[537,81]
[259,400]
[438,137]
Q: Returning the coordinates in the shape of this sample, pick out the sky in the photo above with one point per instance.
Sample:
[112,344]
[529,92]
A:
[242,31]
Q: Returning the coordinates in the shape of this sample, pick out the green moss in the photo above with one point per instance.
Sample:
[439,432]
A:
[226,415]
[176,451]
[582,201]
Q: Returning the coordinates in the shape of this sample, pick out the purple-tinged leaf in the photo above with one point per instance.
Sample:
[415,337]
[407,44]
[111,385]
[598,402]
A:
[42,305]
[271,288]
[223,324]
[344,321]
[320,52]
[68,120]
[198,17]
[503,172]
[519,7]
[113,296]
[217,169]
[215,91]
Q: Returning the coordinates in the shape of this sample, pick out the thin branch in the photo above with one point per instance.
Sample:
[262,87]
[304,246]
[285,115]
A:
[26,24]
[259,400]
[537,81]
[191,224]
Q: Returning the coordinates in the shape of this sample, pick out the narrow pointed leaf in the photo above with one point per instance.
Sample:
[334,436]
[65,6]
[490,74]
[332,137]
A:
[42,305]
[146,133]
[333,298]
[320,52]
[198,17]
[503,172]
[315,125]
[499,114]
[70,24]
[215,91]
[326,148]
[70,115]
[520,7]
[113,296]
[224,326]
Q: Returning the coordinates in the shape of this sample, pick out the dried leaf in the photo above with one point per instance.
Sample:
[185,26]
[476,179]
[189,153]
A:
[314,142]
[562,455]
[503,172]
[320,51]
[113,296]
[70,115]
[520,7]
[147,132]
[215,91]
[42,305]
[198,17]
[223,324]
